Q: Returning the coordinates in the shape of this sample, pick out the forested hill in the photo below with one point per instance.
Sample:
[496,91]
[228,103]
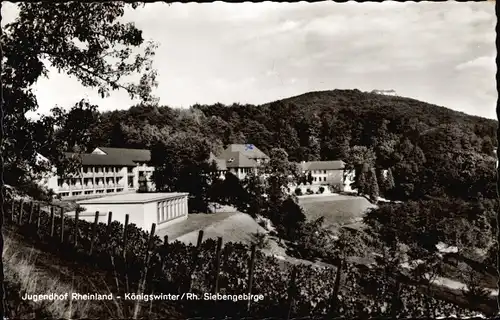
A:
[420,142]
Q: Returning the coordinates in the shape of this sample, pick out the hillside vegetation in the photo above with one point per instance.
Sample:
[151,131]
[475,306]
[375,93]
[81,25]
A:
[429,149]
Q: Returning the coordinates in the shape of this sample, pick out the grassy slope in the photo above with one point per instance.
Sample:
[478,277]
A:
[39,272]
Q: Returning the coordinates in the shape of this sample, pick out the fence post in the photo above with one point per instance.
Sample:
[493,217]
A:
[111,251]
[250,274]
[145,271]
[32,209]
[336,288]
[110,219]
[195,258]
[94,232]
[52,221]
[292,291]
[62,225]
[75,232]
[125,227]
[21,209]
[218,254]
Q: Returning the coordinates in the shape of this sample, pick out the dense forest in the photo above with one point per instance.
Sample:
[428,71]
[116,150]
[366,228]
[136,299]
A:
[429,150]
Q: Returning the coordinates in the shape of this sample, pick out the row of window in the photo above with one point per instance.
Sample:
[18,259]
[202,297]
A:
[319,179]
[89,192]
[318,171]
[167,210]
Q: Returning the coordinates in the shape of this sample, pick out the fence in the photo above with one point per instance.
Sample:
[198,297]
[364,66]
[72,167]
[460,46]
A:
[141,260]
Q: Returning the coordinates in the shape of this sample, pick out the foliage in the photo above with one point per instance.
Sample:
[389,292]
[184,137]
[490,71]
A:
[173,264]
[182,165]
[298,191]
[96,50]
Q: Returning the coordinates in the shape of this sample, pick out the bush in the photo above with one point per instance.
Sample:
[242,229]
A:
[321,189]
[298,192]
[309,191]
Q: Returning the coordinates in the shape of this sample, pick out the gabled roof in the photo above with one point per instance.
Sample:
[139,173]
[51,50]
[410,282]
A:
[113,157]
[138,155]
[323,165]
[237,160]
[248,150]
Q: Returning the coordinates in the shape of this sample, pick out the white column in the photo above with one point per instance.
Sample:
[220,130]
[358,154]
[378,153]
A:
[186,207]
[169,209]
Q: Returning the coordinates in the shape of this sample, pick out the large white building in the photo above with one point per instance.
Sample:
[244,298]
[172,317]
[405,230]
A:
[105,171]
[144,209]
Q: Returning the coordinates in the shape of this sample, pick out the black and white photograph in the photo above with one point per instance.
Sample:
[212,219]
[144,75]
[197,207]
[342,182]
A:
[324,160]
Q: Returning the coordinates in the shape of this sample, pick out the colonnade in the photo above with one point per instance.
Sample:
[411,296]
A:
[171,209]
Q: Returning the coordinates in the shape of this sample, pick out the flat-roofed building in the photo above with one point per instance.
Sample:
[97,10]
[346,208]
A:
[144,209]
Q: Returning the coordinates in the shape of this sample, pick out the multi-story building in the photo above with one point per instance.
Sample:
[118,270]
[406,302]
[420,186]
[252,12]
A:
[105,171]
[325,172]
[240,160]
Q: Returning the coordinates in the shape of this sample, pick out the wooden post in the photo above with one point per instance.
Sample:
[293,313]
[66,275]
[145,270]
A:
[195,258]
[94,232]
[112,251]
[336,288]
[250,274]
[124,251]
[52,221]
[32,209]
[125,227]
[292,291]
[145,271]
[110,219]
[75,232]
[21,210]
[200,239]
[62,225]
[218,254]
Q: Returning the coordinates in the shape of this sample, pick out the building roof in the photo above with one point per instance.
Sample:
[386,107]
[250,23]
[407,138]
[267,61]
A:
[138,155]
[237,160]
[128,198]
[323,165]
[220,163]
[248,150]
[113,157]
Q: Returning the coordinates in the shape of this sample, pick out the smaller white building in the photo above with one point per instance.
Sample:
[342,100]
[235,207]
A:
[143,209]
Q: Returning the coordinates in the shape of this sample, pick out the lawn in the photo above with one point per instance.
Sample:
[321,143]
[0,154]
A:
[338,210]
[231,226]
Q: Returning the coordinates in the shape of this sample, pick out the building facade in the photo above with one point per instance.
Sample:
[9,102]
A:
[105,171]
[240,160]
[325,172]
[144,209]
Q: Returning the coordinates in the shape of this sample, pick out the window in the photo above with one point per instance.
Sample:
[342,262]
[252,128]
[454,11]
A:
[163,211]
[324,178]
[324,171]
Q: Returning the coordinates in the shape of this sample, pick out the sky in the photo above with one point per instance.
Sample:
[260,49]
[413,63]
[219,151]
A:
[442,53]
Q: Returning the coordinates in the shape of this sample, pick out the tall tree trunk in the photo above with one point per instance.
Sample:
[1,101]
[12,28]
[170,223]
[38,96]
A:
[497,9]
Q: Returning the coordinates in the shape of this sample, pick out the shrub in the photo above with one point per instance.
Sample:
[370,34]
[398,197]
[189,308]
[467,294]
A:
[321,189]
[298,192]
[309,191]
